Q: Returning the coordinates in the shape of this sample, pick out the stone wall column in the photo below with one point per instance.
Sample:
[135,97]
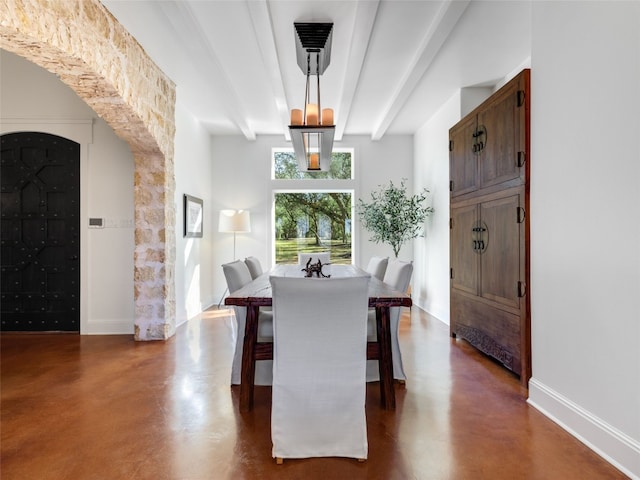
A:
[154,256]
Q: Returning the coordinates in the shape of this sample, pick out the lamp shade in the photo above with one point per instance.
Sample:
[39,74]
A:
[234,221]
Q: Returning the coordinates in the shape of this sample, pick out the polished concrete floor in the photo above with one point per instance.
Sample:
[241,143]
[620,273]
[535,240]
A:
[106,407]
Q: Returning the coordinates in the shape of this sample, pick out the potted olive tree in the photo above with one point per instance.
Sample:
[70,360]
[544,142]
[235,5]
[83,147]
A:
[393,217]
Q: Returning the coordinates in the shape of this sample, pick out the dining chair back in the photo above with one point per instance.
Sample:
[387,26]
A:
[303,258]
[398,276]
[254,266]
[319,366]
[238,275]
[377,267]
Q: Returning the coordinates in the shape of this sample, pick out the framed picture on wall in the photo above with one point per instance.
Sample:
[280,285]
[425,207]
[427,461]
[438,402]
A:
[192,216]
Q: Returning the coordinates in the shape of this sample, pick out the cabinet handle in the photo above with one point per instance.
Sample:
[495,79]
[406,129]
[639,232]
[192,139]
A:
[479,237]
[522,290]
[479,135]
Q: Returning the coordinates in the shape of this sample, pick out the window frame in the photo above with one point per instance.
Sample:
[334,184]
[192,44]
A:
[312,185]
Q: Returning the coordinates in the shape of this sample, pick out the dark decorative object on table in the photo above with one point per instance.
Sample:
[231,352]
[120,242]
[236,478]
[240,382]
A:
[316,268]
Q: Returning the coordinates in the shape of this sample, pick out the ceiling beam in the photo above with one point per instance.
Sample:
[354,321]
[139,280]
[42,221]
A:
[441,27]
[264,32]
[182,19]
[363,21]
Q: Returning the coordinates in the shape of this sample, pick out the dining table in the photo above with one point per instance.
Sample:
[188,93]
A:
[258,294]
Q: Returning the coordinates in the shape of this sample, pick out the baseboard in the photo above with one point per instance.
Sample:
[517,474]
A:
[432,309]
[109,327]
[614,446]
[123,326]
[210,304]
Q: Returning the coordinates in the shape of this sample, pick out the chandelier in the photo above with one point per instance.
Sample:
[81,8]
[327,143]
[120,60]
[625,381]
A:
[312,128]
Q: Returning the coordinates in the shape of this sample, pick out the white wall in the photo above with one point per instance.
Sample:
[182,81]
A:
[585,233]
[194,256]
[35,100]
[241,173]
[388,159]
[108,182]
[431,171]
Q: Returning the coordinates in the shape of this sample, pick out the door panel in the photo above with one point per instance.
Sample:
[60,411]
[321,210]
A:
[498,162]
[40,236]
[501,259]
[463,162]
[464,260]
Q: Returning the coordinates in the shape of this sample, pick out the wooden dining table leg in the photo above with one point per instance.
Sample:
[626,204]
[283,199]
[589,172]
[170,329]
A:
[385,362]
[248,372]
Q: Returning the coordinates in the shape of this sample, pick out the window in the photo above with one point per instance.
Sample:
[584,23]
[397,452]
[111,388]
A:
[312,214]
[285,167]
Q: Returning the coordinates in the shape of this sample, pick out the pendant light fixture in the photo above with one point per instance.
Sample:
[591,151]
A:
[312,127]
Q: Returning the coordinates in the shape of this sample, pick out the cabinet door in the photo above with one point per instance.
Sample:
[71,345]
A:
[465,261]
[500,261]
[503,154]
[463,162]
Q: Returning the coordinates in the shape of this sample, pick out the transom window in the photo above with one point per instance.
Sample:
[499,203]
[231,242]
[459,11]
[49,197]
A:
[285,167]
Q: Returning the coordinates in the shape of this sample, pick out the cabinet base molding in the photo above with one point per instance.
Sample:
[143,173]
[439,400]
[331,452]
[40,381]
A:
[485,344]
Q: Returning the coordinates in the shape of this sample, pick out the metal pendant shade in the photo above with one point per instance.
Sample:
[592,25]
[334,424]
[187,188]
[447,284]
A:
[312,128]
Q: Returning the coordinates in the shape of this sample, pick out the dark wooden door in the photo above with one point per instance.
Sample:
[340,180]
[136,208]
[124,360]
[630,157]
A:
[40,234]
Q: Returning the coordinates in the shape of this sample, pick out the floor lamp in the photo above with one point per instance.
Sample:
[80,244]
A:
[233,221]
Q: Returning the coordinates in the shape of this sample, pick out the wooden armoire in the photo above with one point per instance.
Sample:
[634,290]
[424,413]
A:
[489,244]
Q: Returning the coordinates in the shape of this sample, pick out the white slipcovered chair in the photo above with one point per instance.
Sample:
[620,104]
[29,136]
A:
[237,275]
[377,267]
[303,258]
[254,266]
[398,276]
[319,367]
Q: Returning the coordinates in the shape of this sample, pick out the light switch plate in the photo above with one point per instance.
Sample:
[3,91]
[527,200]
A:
[96,222]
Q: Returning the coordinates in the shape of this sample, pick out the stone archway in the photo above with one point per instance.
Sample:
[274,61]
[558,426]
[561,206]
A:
[82,43]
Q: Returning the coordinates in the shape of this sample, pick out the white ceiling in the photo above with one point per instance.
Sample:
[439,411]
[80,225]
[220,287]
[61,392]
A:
[393,62]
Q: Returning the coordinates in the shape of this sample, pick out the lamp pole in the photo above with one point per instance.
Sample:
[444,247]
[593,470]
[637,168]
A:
[233,221]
